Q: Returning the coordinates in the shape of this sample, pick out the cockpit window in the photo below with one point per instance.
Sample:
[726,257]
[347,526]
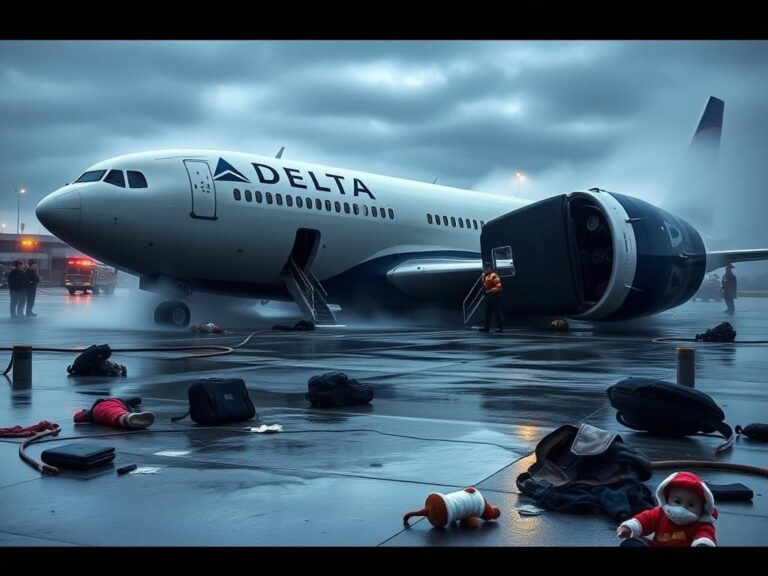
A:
[115,177]
[136,179]
[92,176]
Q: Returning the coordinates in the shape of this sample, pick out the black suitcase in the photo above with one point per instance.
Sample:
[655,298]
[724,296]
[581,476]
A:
[79,455]
[215,401]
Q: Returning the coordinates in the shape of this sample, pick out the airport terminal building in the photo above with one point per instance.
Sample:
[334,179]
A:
[50,252]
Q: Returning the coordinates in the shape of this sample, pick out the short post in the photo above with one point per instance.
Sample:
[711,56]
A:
[686,367]
[22,366]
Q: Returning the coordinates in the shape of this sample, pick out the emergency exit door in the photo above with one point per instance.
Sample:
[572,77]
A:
[203,189]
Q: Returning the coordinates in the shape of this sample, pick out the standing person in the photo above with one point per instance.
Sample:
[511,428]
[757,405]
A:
[17,284]
[729,288]
[492,287]
[33,279]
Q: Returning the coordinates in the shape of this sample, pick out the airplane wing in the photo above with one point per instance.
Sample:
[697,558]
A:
[445,278]
[720,258]
[453,277]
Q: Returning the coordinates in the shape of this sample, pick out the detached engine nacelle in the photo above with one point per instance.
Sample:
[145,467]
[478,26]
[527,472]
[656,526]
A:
[594,255]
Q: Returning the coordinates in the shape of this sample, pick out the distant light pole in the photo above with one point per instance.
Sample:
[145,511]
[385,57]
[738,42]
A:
[519,176]
[19,192]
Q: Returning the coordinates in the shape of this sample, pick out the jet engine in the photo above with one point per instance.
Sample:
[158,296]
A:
[594,255]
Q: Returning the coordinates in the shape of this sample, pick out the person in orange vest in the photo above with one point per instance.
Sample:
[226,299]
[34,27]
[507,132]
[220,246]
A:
[492,287]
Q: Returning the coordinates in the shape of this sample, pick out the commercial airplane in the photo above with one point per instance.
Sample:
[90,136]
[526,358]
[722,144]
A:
[270,228]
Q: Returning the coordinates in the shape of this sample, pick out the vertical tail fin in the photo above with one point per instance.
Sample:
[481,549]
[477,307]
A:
[693,195]
[711,125]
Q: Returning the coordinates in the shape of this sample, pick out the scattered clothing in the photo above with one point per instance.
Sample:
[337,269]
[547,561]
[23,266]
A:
[581,470]
[529,510]
[27,431]
[210,328]
[145,470]
[116,413]
[267,429]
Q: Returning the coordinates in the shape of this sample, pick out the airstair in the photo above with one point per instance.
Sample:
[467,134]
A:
[308,294]
[474,298]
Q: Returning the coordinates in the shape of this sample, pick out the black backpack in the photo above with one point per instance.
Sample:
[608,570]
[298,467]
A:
[337,389]
[723,332]
[215,401]
[667,409]
[93,362]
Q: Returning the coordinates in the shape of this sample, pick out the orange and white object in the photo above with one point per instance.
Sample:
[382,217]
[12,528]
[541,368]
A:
[467,505]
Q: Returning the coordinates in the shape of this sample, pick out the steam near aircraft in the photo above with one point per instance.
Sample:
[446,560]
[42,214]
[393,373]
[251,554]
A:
[272,228]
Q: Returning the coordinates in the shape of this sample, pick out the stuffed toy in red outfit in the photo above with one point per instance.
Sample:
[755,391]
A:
[685,516]
[467,505]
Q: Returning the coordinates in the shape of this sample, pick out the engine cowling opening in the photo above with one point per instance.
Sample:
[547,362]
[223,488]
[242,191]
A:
[594,249]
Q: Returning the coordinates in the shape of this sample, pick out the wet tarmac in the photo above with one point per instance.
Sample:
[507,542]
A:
[452,408]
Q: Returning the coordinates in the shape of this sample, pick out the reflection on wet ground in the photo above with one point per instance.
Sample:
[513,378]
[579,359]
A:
[452,408]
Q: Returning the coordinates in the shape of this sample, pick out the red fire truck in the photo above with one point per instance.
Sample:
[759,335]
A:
[85,274]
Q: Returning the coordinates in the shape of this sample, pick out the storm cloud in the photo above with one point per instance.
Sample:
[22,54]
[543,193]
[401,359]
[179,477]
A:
[612,114]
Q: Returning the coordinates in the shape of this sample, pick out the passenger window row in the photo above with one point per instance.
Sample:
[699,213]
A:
[453,222]
[313,203]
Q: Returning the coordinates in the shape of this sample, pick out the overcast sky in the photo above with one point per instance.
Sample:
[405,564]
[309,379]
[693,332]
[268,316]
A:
[616,115]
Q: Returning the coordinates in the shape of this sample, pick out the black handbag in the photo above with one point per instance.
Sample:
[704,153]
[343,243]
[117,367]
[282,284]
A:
[215,401]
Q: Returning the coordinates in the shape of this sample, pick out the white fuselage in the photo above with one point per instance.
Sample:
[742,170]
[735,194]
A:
[176,228]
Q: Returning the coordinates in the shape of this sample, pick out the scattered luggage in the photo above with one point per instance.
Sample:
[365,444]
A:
[754,431]
[93,361]
[79,455]
[214,401]
[301,325]
[667,409]
[723,332]
[337,389]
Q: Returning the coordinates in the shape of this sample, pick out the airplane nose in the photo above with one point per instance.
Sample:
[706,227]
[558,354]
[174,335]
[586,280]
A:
[60,212]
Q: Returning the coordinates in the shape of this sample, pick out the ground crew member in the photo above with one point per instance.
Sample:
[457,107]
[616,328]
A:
[729,288]
[492,288]
[33,279]
[17,282]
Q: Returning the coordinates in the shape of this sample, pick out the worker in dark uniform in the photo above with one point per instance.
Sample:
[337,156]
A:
[33,279]
[492,288]
[729,288]
[17,283]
